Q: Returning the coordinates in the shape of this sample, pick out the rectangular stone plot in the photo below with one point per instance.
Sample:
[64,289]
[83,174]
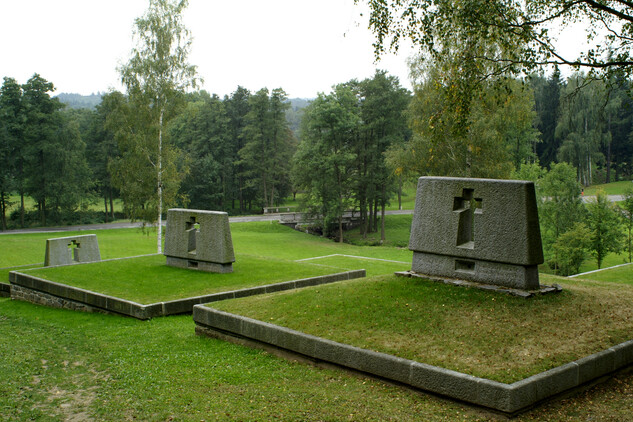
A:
[72,250]
[199,239]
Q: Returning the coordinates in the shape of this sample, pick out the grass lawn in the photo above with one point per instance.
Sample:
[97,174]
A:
[30,204]
[65,365]
[623,275]
[20,250]
[397,233]
[148,279]
[614,188]
[489,335]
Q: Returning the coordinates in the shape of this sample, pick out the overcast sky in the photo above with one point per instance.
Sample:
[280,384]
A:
[302,46]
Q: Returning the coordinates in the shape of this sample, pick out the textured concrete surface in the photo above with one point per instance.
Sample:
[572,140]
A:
[481,230]
[72,250]
[199,239]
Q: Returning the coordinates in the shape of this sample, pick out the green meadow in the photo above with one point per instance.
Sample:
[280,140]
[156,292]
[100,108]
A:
[65,365]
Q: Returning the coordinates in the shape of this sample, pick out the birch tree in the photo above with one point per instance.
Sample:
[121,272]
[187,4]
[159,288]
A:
[156,77]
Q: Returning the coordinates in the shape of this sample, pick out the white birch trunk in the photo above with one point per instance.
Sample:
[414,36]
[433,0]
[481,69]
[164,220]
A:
[159,228]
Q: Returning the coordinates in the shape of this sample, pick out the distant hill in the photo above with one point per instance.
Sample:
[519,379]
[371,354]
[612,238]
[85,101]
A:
[80,101]
[299,103]
[295,113]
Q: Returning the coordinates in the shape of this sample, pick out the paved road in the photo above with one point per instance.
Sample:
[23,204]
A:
[128,225]
[241,219]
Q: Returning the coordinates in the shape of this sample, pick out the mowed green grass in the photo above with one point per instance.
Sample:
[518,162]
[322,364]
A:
[30,248]
[494,336]
[397,233]
[62,365]
[30,204]
[621,275]
[148,279]
[265,254]
[614,188]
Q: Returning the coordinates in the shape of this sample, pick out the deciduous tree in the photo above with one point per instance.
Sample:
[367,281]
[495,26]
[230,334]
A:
[156,77]
[604,222]
[521,31]
[627,211]
[11,154]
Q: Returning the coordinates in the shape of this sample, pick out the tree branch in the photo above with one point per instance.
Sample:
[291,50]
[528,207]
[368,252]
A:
[611,11]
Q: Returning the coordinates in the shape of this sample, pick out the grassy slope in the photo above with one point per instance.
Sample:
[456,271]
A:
[614,188]
[58,364]
[55,364]
[396,315]
[619,275]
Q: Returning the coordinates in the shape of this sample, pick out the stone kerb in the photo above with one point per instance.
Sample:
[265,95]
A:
[33,289]
[5,290]
[72,250]
[508,398]
[199,239]
[481,230]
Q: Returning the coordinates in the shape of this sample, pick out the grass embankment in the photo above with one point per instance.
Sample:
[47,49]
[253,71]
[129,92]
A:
[148,280]
[397,233]
[493,336]
[619,275]
[60,365]
[613,188]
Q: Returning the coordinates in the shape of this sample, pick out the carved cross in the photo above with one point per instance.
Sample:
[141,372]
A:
[467,207]
[193,228]
[73,247]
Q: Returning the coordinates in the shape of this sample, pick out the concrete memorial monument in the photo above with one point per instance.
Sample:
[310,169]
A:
[480,230]
[199,240]
[72,250]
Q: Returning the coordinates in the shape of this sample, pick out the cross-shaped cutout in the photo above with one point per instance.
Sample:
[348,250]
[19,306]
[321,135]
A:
[73,249]
[193,228]
[467,206]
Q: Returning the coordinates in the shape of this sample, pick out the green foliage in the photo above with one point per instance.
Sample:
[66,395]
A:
[627,213]
[580,126]
[201,131]
[547,101]
[340,161]
[267,152]
[11,155]
[325,161]
[604,221]
[517,35]
[156,76]
[530,171]
[570,249]
[562,205]
[484,134]
[41,149]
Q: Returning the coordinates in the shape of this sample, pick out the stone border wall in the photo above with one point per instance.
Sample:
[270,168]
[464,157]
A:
[508,398]
[5,290]
[38,290]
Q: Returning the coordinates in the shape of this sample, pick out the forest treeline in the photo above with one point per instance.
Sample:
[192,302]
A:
[351,148]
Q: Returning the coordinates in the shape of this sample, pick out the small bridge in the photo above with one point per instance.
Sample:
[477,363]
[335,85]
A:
[298,220]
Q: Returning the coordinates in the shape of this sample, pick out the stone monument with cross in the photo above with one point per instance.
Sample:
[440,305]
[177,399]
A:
[72,250]
[199,240]
[480,230]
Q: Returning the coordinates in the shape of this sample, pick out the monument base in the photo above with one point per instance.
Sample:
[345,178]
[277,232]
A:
[192,264]
[507,275]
